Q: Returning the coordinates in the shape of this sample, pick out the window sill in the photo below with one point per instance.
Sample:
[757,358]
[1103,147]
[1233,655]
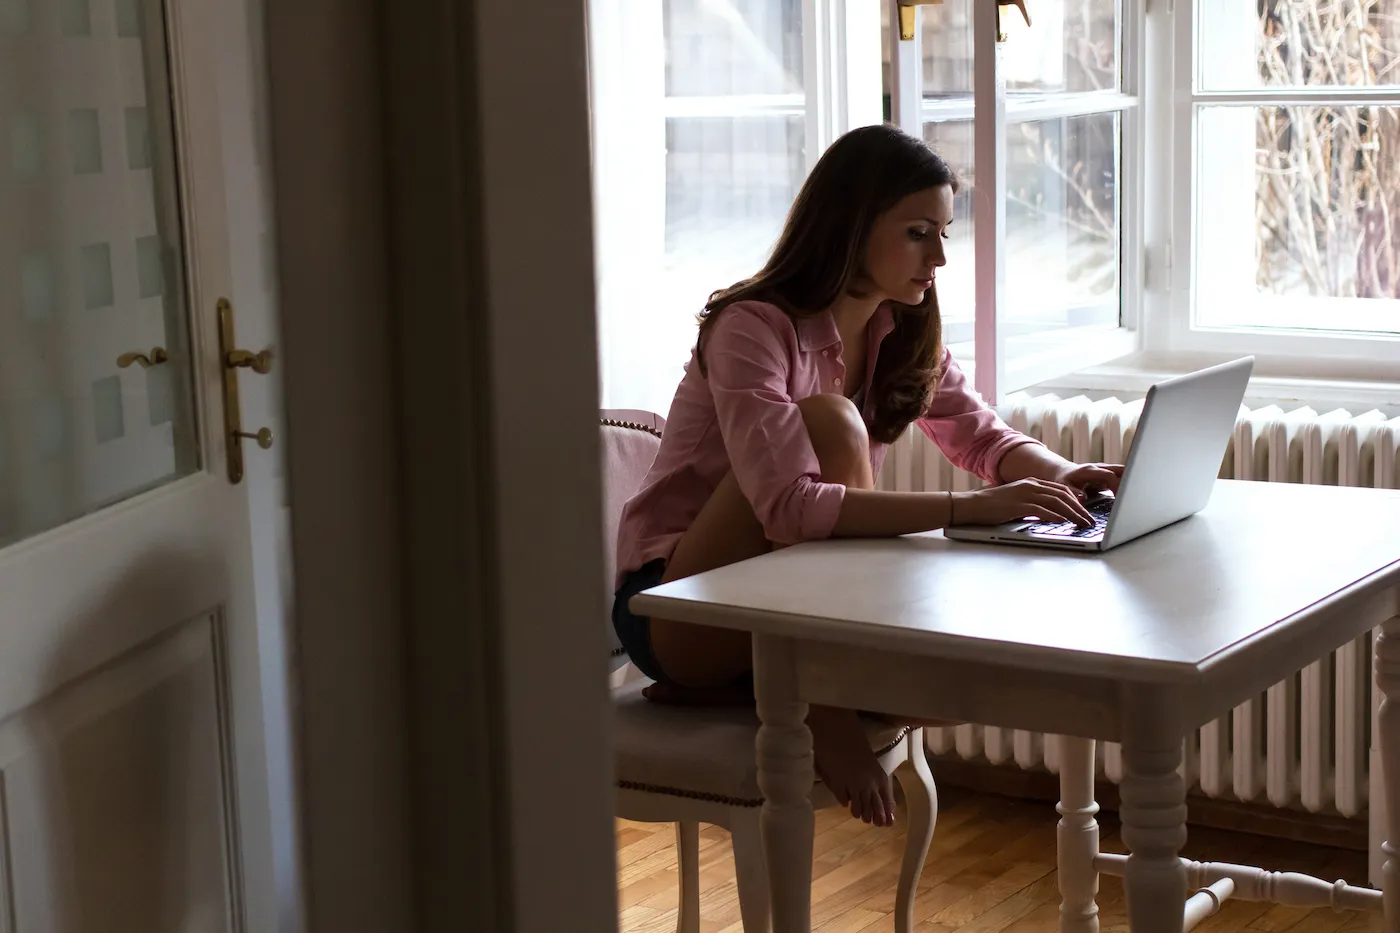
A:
[1357,386]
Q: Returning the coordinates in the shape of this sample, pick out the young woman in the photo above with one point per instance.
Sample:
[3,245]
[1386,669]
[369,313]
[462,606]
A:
[800,377]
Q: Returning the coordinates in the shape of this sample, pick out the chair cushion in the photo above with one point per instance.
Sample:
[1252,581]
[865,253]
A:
[701,752]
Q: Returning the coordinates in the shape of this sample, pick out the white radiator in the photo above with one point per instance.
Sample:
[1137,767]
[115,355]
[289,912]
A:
[1305,743]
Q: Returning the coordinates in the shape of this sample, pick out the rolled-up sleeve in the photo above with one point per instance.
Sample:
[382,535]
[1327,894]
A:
[968,431]
[748,356]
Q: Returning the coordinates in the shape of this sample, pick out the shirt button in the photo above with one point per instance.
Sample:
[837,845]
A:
[836,382]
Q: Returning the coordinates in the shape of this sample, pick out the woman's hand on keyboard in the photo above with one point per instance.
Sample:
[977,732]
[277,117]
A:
[1027,498]
[1087,477]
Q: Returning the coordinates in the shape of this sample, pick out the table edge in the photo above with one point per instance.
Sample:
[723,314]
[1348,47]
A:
[953,647]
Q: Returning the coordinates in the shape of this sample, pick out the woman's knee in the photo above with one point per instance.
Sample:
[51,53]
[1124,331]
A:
[839,437]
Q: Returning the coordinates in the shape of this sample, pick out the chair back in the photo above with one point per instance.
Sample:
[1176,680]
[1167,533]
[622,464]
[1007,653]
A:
[630,440]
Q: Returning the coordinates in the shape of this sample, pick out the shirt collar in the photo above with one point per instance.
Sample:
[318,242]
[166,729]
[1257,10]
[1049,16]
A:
[818,331]
[881,325]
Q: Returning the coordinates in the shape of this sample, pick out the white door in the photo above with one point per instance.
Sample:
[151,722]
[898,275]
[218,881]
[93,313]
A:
[133,760]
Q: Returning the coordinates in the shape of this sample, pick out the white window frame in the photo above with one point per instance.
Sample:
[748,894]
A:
[1171,331]
[842,91]
[995,372]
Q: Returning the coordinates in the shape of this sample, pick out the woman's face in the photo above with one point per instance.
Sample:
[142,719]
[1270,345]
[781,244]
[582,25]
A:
[906,245]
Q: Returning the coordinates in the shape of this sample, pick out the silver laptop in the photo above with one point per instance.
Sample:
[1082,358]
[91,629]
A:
[1175,458]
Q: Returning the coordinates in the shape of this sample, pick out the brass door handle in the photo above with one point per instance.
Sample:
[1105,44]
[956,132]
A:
[260,363]
[234,360]
[157,356]
[263,437]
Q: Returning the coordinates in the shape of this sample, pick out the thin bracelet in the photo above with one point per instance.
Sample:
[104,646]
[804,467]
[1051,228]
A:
[950,509]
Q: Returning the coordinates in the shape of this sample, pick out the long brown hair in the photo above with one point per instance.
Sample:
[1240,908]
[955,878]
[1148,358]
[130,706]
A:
[820,256]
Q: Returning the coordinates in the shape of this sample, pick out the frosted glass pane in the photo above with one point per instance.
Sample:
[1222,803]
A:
[48,428]
[77,17]
[14,16]
[97,275]
[107,416]
[160,395]
[95,264]
[150,278]
[26,146]
[37,284]
[138,139]
[129,19]
[85,137]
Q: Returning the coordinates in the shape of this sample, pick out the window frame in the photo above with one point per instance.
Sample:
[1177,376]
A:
[841,90]
[994,371]
[1171,327]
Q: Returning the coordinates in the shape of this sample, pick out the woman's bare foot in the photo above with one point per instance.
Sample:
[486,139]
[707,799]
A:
[848,767]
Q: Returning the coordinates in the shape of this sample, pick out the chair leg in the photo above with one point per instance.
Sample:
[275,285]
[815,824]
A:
[750,871]
[921,802]
[688,865]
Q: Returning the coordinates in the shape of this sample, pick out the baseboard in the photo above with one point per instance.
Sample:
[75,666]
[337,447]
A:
[1297,826]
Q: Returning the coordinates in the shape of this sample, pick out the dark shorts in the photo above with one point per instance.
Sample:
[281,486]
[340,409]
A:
[634,631]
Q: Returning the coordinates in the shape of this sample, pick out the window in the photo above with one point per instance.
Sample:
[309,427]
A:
[1173,176]
[1041,291]
[707,115]
[1289,148]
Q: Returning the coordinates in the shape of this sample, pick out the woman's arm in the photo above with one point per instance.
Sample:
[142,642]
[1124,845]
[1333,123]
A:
[971,435]
[877,513]
[966,429]
[777,469]
[1033,461]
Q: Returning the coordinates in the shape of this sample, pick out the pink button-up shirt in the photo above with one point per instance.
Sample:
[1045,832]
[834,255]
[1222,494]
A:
[743,416]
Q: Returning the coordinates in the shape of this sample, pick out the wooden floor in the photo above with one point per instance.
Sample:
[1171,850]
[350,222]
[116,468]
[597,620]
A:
[991,869]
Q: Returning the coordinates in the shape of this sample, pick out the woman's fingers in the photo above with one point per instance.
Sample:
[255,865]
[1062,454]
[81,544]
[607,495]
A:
[1066,506]
[1104,477]
[1070,500]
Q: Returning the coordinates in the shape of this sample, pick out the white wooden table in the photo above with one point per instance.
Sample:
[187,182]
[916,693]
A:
[1138,646]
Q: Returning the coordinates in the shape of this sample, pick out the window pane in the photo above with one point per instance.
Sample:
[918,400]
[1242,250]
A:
[1062,227]
[734,47]
[729,183]
[1281,43]
[1071,46]
[699,134]
[1298,218]
[734,167]
[1062,232]
[947,49]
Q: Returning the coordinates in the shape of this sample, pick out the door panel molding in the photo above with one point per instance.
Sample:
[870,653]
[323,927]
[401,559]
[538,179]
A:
[7,881]
[118,789]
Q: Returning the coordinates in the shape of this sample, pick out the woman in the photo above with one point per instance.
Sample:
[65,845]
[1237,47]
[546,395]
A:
[800,377]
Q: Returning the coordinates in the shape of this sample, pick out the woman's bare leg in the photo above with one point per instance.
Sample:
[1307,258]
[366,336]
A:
[706,661]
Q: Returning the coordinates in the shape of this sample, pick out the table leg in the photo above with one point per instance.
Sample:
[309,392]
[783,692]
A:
[1077,837]
[1388,680]
[786,776]
[1154,813]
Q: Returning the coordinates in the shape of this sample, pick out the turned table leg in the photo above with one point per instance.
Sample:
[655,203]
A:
[1077,837]
[1154,812]
[1388,729]
[785,775]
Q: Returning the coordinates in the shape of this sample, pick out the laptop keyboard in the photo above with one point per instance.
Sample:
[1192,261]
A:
[1099,507]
